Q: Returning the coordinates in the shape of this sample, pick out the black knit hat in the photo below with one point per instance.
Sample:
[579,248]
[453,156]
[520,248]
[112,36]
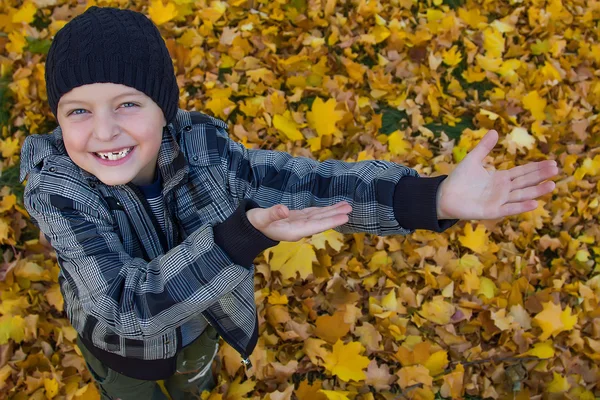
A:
[106,44]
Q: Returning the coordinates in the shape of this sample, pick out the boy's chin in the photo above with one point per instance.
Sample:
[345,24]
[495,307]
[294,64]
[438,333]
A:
[113,180]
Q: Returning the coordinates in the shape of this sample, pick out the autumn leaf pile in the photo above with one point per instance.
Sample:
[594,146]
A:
[495,309]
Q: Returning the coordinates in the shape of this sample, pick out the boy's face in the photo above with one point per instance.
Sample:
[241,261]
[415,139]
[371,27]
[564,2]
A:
[101,117]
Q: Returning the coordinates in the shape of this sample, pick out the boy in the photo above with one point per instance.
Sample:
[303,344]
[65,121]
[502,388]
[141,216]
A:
[156,215]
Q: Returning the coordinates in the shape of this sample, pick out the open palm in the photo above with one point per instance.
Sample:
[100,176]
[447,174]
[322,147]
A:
[280,223]
[472,192]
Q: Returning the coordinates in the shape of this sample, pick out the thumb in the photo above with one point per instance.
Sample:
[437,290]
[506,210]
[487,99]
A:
[277,212]
[483,148]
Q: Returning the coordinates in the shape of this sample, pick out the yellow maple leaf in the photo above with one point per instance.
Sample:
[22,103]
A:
[331,327]
[452,57]
[17,42]
[323,116]
[219,102]
[555,8]
[559,384]
[397,144]
[501,320]
[214,12]
[380,33]
[438,310]
[540,47]
[238,390]
[8,202]
[356,71]
[476,240]
[54,297]
[252,106]
[285,124]
[519,138]
[10,146]
[334,238]
[452,387]
[4,231]
[291,257]
[542,350]
[13,303]
[346,362]
[69,333]
[567,319]
[550,73]
[413,375]
[588,167]
[470,282]
[380,259]
[87,392]
[473,74]
[509,70]
[314,350]
[51,387]
[32,271]
[472,17]
[25,13]
[335,394]
[277,298]
[493,42]
[536,104]
[487,287]
[12,327]
[488,63]
[553,320]
[160,13]
[437,362]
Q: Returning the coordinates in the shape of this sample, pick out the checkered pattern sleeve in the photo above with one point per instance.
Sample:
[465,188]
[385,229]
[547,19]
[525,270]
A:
[273,177]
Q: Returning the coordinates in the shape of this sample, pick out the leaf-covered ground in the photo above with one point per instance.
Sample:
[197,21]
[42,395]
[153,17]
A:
[489,309]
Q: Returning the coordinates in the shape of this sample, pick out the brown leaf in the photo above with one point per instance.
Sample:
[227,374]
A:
[331,327]
[73,360]
[379,376]
[6,351]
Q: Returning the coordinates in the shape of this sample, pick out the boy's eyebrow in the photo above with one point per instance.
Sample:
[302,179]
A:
[67,102]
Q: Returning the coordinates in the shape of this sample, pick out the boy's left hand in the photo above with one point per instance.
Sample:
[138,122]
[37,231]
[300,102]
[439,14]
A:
[472,192]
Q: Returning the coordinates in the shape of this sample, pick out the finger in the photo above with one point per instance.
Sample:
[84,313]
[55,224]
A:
[534,177]
[328,213]
[340,208]
[529,193]
[509,209]
[312,227]
[531,167]
[277,212]
[317,210]
[483,148]
[323,214]
[323,224]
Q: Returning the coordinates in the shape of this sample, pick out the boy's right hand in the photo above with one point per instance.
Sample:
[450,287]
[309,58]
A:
[282,224]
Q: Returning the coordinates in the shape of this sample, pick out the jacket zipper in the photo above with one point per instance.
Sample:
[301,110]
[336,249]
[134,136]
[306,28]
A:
[233,343]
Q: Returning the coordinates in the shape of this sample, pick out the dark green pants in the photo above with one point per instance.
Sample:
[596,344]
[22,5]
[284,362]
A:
[193,374]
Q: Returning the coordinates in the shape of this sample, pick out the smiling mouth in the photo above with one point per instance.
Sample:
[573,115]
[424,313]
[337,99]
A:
[114,156]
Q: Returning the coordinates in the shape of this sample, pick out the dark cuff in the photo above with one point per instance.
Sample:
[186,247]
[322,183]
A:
[239,238]
[415,203]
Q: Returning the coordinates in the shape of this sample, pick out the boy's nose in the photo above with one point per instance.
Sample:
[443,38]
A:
[106,131]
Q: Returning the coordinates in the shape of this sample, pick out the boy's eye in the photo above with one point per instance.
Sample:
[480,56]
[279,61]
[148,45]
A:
[75,111]
[81,109]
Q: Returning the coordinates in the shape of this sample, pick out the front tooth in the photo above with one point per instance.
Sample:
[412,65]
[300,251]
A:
[114,157]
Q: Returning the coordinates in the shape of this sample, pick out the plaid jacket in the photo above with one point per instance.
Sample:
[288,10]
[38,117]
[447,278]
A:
[128,288]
